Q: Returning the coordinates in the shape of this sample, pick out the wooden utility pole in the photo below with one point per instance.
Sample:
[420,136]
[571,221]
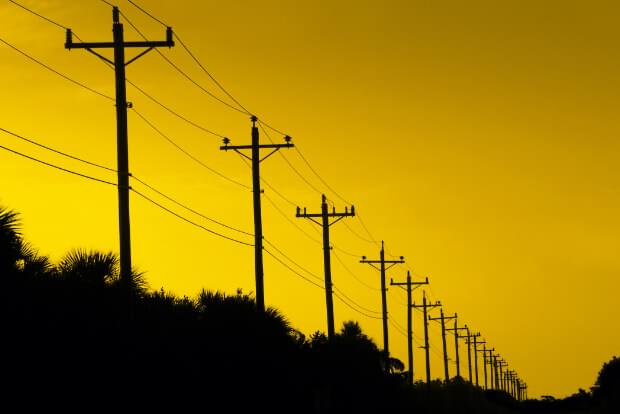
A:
[443,339]
[469,336]
[425,306]
[382,262]
[325,224]
[502,376]
[456,330]
[256,159]
[118,45]
[484,351]
[410,286]
[476,343]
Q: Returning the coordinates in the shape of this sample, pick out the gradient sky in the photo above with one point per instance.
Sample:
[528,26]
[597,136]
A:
[478,139]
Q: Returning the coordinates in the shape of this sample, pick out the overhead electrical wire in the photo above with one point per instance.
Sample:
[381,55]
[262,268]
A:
[289,220]
[293,270]
[188,154]
[57,167]
[189,208]
[188,220]
[311,274]
[42,17]
[178,69]
[352,307]
[31,141]
[56,72]
[353,274]
[195,59]
[335,289]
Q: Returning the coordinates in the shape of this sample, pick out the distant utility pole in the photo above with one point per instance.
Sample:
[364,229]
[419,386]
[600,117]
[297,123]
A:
[119,45]
[476,343]
[410,288]
[325,223]
[469,336]
[427,347]
[502,364]
[443,339]
[255,158]
[489,360]
[382,262]
[484,351]
[456,330]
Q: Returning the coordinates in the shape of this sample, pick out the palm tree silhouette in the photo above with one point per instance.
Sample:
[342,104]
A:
[99,269]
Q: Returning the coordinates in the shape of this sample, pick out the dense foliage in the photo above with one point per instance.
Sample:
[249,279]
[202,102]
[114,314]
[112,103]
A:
[75,336]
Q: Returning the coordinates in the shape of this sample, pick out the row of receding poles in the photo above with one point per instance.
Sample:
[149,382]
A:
[500,378]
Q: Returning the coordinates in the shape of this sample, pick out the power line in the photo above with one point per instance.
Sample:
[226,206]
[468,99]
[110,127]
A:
[55,71]
[353,274]
[167,138]
[260,124]
[294,262]
[293,270]
[356,310]
[57,167]
[358,236]
[178,69]
[188,208]
[193,56]
[192,123]
[289,220]
[354,302]
[42,17]
[56,151]
[188,220]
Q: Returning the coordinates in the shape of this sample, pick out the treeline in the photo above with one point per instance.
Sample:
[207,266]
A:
[76,336]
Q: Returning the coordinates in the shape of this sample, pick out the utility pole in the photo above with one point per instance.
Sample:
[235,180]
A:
[427,347]
[325,223]
[410,288]
[469,336]
[489,360]
[476,354]
[456,330]
[255,159]
[443,339]
[484,351]
[119,45]
[502,364]
[382,268]
[495,370]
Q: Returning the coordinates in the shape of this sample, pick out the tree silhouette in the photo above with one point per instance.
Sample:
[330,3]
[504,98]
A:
[606,389]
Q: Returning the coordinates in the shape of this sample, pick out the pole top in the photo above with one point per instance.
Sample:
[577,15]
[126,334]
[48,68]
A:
[115,14]
[254,118]
[323,198]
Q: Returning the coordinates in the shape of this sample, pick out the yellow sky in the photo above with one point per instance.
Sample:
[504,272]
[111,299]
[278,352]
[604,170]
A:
[478,139]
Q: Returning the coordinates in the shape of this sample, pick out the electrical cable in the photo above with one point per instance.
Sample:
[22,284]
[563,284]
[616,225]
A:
[58,167]
[293,270]
[188,208]
[167,138]
[57,151]
[353,302]
[313,275]
[356,310]
[188,220]
[42,17]
[353,274]
[56,72]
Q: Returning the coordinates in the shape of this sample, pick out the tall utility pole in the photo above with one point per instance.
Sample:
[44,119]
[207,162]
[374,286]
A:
[255,158]
[119,45]
[456,330]
[469,336]
[410,288]
[443,339]
[476,343]
[325,223]
[427,347]
[382,268]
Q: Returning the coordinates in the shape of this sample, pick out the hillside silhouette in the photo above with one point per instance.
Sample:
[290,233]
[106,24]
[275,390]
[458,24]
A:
[74,336]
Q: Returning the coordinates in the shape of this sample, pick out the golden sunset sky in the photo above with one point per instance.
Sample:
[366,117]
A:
[479,139]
